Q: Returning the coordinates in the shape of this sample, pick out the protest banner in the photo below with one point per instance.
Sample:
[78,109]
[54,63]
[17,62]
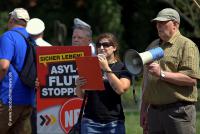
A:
[58,106]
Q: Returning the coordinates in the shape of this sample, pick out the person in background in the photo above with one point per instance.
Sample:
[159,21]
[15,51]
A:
[170,84]
[103,111]
[16,99]
[35,27]
[82,35]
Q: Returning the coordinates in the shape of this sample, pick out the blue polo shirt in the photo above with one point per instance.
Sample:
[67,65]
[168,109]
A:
[13,48]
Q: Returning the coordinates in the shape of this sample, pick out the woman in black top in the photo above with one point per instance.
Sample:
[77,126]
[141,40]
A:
[103,111]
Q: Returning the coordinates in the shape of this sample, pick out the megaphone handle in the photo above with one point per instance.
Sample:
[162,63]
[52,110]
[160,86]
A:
[134,96]
[134,93]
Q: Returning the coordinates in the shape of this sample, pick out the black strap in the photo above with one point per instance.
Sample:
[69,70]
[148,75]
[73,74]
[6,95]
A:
[27,43]
[82,108]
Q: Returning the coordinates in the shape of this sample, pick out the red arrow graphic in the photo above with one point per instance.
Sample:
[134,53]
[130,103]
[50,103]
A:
[48,120]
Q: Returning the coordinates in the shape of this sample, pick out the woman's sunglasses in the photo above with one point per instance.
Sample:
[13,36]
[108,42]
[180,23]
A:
[104,44]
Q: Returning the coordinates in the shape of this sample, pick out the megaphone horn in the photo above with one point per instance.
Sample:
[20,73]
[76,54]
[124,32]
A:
[135,61]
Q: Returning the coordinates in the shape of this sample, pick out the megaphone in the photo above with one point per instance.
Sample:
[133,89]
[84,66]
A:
[135,61]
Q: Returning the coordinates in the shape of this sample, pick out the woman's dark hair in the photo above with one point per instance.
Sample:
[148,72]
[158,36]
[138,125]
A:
[113,40]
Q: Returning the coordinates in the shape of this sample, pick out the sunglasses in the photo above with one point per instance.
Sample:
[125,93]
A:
[104,44]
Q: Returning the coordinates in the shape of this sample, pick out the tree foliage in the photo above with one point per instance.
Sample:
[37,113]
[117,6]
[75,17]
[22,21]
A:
[105,15]
[129,20]
[3,22]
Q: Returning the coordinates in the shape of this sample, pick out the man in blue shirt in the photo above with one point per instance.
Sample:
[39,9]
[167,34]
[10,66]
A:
[16,99]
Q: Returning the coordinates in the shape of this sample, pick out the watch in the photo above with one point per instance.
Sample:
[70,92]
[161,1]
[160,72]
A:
[162,74]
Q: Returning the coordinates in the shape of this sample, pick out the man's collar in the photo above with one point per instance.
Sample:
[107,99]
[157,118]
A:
[173,38]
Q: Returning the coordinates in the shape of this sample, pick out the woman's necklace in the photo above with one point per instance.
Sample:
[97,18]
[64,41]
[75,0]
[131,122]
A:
[111,65]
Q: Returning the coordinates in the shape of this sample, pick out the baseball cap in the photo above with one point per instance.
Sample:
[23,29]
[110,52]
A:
[166,15]
[20,13]
[35,26]
[79,22]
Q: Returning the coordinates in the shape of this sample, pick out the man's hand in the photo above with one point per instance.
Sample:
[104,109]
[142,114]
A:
[144,117]
[4,65]
[144,122]
[154,69]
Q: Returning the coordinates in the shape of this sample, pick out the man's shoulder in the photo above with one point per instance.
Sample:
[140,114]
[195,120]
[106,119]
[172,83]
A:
[186,41]
[6,37]
[6,34]
[42,42]
[11,33]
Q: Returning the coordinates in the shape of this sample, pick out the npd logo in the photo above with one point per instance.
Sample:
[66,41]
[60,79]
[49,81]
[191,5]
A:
[69,113]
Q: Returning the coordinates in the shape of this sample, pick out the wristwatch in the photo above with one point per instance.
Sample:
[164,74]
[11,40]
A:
[162,75]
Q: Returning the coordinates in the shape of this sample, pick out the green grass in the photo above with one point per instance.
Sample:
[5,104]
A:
[133,123]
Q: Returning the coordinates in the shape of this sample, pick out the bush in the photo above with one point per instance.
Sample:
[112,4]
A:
[3,22]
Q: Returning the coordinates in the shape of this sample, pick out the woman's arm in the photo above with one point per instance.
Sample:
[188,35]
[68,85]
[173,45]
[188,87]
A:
[119,85]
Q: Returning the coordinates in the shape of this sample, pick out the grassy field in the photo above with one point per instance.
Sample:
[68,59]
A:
[133,124]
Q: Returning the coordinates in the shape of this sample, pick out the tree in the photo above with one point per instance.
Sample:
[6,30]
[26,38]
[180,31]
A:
[129,20]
